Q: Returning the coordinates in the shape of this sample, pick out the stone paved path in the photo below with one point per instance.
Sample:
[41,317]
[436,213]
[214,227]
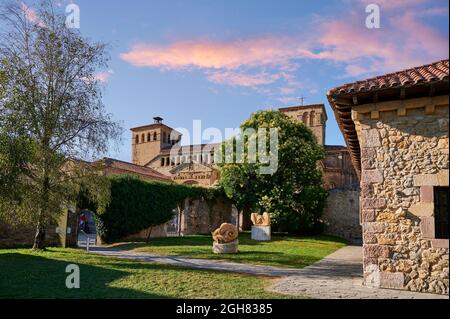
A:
[336,276]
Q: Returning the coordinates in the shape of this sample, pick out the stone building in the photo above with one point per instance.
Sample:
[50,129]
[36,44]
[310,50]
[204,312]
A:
[396,128]
[337,168]
[157,146]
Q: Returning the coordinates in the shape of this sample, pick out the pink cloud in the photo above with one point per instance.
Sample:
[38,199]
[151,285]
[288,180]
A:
[240,79]
[203,54]
[103,76]
[31,15]
[405,39]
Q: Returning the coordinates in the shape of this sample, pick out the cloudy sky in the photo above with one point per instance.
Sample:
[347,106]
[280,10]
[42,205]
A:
[219,61]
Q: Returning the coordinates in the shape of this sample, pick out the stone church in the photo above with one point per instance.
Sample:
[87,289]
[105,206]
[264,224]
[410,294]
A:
[156,146]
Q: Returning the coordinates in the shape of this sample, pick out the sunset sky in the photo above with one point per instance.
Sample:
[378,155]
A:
[219,61]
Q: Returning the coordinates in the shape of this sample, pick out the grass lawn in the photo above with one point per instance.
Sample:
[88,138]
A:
[27,274]
[282,251]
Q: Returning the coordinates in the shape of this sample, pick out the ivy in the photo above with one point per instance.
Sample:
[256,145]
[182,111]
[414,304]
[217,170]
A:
[136,205]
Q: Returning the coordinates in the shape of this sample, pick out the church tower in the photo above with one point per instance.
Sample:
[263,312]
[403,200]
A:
[313,116]
[148,141]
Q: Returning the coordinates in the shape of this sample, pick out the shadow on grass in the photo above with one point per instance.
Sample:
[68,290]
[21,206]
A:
[33,276]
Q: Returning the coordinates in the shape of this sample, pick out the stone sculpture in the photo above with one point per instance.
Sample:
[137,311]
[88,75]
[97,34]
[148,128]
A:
[226,233]
[260,220]
[225,239]
[261,230]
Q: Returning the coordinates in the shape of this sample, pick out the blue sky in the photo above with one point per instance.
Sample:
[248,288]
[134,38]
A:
[219,61]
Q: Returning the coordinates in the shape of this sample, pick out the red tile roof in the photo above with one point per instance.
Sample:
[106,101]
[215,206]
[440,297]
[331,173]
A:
[143,171]
[437,71]
[426,80]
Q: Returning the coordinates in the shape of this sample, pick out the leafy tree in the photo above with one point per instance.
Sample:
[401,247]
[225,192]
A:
[50,106]
[293,194]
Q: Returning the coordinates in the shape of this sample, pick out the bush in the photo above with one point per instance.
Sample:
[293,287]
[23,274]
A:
[136,205]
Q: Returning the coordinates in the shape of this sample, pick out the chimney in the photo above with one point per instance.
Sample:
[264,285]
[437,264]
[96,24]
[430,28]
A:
[158,120]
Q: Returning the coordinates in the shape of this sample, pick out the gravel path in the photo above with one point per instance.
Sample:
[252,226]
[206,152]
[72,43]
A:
[334,277]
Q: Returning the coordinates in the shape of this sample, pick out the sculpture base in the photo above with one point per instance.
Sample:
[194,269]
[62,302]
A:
[227,248]
[261,233]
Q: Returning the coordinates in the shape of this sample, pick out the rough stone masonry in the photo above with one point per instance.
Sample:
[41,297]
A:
[402,158]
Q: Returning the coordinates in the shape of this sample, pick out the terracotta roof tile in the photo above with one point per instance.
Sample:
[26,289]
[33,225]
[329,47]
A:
[133,168]
[437,71]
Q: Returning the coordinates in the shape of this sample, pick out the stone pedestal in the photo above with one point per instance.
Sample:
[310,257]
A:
[227,248]
[261,233]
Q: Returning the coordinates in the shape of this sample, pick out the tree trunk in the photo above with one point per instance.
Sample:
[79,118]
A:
[149,234]
[39,238]
[245,222]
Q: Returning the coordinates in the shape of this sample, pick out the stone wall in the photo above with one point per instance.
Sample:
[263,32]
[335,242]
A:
[404,153]
[198,216]
[58,233]
[341,214]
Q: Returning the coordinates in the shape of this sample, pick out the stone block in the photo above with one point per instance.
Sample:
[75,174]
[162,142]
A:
[370,138]
[369,238]
[426,194]
[373,227]
[427,227]
[376,251]
[383,240]
[392,280]
[226,248]
[422,209]
[368,215]
[373,203]
[368,153]
[425,180]
[443,177]
[439,243]
[371,176]
[261,233]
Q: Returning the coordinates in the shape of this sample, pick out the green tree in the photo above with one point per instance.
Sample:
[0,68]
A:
[50,106]
[293,194]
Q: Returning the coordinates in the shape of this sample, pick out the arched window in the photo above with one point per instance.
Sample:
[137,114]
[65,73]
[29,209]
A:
[305,118]
[162,161]
[167,161]
[137,139]
[164,137]
[311,118]
[148,137]
[142,138]
[154,136]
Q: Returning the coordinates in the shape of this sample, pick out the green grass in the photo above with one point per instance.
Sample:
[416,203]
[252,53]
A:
[27,274]
[283,251]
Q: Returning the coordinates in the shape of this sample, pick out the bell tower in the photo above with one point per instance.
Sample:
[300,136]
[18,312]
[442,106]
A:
[147,141]
[313,116]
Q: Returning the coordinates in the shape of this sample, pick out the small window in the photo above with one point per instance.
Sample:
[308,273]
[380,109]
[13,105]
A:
[441,201]
[162,161]
[143,138]
[148,137]
[154,136]
[137,139]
